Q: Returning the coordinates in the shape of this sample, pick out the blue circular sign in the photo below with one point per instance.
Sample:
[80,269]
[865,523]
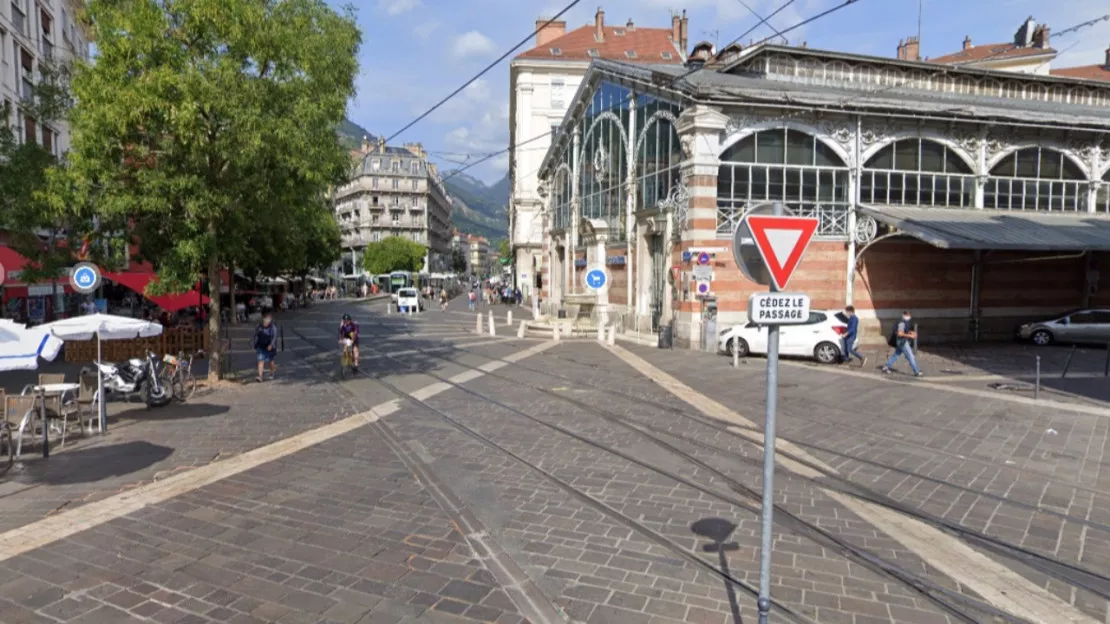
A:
[596,279]
[85,278]
[703,288]
[703,258]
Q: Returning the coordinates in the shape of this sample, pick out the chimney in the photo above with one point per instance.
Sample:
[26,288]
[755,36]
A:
[1107,65]
[901,49]
[630,25]
[967,42]
[599,25]
[1040,37]
[546,33]
[381,144]
[365,144]
[912,50]
[676,30]
[684,32]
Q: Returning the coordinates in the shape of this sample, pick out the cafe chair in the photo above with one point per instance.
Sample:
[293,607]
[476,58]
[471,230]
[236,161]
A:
[21,410]
[87,402]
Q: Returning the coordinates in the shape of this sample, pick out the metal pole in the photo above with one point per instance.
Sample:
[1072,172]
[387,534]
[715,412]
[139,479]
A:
[915,339]
[1037,380]
[1067,364]
[281,332]
[1106,368]
[735,354]
[102,416]
[768,503]
[45,424]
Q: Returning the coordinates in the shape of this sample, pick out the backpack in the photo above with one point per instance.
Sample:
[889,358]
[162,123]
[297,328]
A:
[893,339]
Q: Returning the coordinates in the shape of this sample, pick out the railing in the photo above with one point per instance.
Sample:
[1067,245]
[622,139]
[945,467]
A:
[173,340]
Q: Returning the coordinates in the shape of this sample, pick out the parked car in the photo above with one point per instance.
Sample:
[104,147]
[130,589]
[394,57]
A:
[1076,327]
[819,338]
[409,298]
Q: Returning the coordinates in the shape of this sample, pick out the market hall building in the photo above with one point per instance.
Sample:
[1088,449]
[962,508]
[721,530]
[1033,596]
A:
[973,197]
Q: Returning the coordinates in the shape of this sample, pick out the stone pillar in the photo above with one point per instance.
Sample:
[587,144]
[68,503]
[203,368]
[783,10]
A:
[576,171]
[630,242]
[596,239]
[695,224]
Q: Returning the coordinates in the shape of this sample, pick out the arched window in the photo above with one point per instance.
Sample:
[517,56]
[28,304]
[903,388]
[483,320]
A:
[603,160]
[917,172]
[1036,178]
[658,150]
[783,165]
[560,198]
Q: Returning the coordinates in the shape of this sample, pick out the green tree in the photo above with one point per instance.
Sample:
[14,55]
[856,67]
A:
[208,124]
[393,254]
[504,248]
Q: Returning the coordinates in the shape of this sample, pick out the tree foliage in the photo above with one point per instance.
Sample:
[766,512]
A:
[393,254]
[210,125]
[504,248]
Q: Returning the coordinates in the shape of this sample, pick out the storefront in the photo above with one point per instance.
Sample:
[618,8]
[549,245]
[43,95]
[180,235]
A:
[1009,172]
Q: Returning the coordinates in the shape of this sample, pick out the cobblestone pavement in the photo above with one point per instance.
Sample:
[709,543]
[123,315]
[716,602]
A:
[630,513]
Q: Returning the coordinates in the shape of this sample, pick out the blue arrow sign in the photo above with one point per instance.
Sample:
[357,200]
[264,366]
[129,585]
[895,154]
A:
[596,279]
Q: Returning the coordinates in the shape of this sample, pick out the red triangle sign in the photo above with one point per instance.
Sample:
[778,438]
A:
[781,241]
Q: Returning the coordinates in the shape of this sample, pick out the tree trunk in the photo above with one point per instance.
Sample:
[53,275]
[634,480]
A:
[234,316]
[215,358]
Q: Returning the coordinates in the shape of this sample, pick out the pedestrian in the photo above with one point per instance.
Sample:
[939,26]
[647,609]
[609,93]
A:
[472,299]
[851,334]
[902,340]
[265,345]
[443,299]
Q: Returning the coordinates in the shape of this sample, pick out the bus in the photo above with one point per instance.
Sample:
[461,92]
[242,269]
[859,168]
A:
[399,280]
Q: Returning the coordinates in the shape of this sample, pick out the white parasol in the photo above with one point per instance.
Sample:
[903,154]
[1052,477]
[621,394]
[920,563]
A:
[22,347]
[103,327]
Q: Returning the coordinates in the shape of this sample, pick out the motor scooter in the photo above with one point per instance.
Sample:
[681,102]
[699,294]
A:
[137,376]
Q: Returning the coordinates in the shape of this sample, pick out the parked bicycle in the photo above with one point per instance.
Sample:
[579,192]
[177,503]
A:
[178,375]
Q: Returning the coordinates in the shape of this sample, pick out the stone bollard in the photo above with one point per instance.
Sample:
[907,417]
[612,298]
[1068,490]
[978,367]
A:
[601,333]
[612,336]
[478,326]
[523,327]
[735,355]
[509,317]
[388,308]
[555,332]
[492,326]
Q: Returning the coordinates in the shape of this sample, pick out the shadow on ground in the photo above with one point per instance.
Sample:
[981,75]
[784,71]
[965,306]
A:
[95,463]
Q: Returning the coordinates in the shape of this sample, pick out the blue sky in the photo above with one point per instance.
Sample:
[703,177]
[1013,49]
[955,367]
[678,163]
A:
[417,51]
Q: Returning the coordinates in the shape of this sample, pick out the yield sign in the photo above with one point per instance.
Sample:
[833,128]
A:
[781,241]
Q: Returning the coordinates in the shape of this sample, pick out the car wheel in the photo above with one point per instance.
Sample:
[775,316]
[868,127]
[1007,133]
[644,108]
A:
[826,353]
[1042,337]
[740,346]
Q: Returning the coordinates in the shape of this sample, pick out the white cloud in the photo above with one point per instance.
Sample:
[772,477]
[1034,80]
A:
[397,7]
[425,30]
[472,43]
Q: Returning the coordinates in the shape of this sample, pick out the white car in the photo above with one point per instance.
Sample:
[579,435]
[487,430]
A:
[819,338]
[409,298]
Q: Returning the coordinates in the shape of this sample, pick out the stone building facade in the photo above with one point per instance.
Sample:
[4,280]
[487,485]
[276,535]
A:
[394,191]
[973,197]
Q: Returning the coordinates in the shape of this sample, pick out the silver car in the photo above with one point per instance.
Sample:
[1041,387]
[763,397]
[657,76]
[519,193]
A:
[1078,327]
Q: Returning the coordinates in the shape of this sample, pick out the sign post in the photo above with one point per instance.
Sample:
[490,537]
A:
[781,242]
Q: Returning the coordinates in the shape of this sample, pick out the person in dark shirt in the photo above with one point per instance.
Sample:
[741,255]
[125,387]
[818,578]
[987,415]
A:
[348,330]
[265,345]
[851,334]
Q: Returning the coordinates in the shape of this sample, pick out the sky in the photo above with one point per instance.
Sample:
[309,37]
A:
[415,52]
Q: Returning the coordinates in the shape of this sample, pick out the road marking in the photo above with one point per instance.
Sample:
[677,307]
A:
[28,537]
[995,582]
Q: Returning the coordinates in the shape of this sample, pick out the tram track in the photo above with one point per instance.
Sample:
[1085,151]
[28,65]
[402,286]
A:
[957,605]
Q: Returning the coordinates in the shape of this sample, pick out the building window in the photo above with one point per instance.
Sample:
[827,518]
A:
[415,167]
[558,87]
[784,165]
[396,184]
[48,140]
[1036,178]
[375,236]
[19,17]
[375,164]
[415,184]
[593,53]
[373,183]
[47,46]
[917,172]
[29,135]
[1102,198]
[396,166]
[374,200]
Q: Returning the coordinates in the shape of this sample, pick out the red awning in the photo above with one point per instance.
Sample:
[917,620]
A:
[12,261]
[138,282]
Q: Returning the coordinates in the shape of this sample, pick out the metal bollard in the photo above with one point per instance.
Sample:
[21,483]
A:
[523,327]
[1106,368]
[1037,380]
[915,339]
[735,355]
[1067,364]
[509,317]
[281,333]
[478,326]
[492,326]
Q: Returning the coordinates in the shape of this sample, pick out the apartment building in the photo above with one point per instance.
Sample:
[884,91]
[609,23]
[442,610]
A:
[475,250]
[542,84]
[395,191]
[32,33]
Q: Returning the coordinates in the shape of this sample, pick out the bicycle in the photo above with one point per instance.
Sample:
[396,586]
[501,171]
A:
[346,358]
[178,375]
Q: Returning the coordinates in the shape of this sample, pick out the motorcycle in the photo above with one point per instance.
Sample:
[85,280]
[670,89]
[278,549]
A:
[137,376]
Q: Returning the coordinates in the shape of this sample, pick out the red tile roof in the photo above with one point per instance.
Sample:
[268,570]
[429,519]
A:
[648,45]
[992,51]
[1087,72]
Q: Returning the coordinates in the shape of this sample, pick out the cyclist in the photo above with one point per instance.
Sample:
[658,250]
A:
[348,330]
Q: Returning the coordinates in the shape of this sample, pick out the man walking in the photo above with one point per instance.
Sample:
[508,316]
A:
[902,340]
[265,345]
[851,334]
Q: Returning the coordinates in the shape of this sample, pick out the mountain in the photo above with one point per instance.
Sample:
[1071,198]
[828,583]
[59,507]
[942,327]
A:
[350,134]
[479,209]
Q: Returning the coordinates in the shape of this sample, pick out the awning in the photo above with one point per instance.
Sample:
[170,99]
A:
[986,229]
[138,282]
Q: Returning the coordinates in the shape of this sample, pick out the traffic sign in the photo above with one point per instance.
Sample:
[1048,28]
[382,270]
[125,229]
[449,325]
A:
[703,288]
[85,277]
[597,278]
[703,272]
[703,258]
[744,250]
[778,308]
[781,242]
